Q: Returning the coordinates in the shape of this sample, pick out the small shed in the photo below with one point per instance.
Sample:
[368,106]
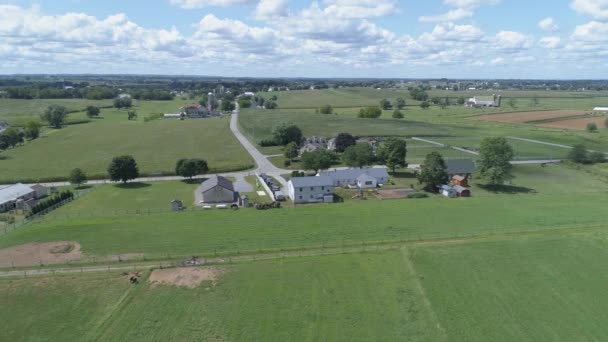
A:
[462,191]
[460,180]
[447,191]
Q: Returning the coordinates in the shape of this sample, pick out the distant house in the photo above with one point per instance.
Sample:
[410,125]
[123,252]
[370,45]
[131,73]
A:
[216,189]
[601,109]
[454,191]
[3,126]
[460,180]
[366,181]
[351,177]
[193,110]
[312,144]
[19,196]
[460,167]
[315,189]
[484,101]
[124,96]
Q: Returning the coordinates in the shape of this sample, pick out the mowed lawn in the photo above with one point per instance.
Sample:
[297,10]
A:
[156,146]
[198,232]
[18,112]
[355,297]
[549,288]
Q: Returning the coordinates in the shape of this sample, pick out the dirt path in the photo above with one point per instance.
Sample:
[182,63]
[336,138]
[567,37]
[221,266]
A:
[56,252]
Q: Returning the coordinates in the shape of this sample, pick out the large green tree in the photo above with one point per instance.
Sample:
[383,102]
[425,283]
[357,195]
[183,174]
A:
[495,155]
[385,104]
[392,153]
[358,155]
[291,151]
[318,160]
[32,130]
[77,177]
[343,141]
[123,168]
[400,103]
[55,115]
[578,154]
[433,172]
[370,112]
[283,134]
[92,111]
[191,167]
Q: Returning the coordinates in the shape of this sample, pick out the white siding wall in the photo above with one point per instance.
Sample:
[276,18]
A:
[308,194]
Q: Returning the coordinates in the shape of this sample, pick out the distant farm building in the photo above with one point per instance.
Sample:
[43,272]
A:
[314,189]
[484,101]
[20,196]
[4,126]
[596,109]
[216,189]
[460,180]
[460,167]
[356,177]
[454,191]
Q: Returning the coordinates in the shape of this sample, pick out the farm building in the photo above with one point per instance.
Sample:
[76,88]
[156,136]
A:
[350,177]
[315,189]
[312,144]
[19,196]
[484,101]
[601,109]
[454,191]
[366,181]
[216,189]
[462,191]
[460,167]
[460,180]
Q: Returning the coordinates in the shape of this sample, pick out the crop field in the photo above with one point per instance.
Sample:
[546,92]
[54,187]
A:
[156,146]
[578,124]
[524,117]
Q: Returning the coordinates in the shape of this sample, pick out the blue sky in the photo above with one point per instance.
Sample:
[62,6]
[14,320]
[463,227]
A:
[324,38]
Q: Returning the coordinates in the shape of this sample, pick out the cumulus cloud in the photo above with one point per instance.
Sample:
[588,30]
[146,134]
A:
[548,24]
[268,9]
[470,3]
[550,42]
[453,15]
[596,9]
[591,32]
[359,9]
[453,32]
[510,41]
[190,4]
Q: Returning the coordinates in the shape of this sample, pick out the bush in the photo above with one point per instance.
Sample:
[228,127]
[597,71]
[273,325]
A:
[326,109]
[597,157]
[591,127]
[397,114]
[370,112]
[267,142]
[49,203]
[297,174]
[287,163]
[418,195]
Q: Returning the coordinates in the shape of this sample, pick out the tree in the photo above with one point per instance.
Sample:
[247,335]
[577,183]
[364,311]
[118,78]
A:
[433,172]
[400,103]
[77,177]
[358,155]
[385,104]
[370,112]
[461,100]
[270,104]
[92,111]
[55,115]
[495,155]
[318,160]
[343,141]
[283,134]
[597,157]
[578,154]
[291,151]
[424,105]
[32,130]
[244,102]
[326,109]
[123,168]
[10,137]
[227,105]
[512,102]
[591,127]
[392,153]
[191,167]
[123,102]
[397,114]
[131,115]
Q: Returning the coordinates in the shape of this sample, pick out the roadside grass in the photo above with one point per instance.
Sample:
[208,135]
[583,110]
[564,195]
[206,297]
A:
[59,308]
[522,289]
[155,145]
[197,232]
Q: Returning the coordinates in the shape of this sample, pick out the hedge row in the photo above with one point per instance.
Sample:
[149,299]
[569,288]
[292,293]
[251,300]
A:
[49,203]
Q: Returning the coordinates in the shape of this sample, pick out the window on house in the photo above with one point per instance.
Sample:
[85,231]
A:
[369,183]
[311,196]
[300,197]
[322,188]
[311,188]
[300,189]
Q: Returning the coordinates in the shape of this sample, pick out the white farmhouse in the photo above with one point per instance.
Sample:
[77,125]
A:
[357,177]
[484,101]
[16,195]
[315,189]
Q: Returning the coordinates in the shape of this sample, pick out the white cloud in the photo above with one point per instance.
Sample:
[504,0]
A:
[591,32]
[190,4]
[550,42]
[498,61]
[510,41]
[452,32]
[471,4]
[453,15]
[359,9]
[268,9]
[596,9]
[548,24]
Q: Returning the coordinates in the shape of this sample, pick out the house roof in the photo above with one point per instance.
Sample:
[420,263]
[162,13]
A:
[460,166]
[216,181]
[38,187]
[365,177]
[14,191]
[458,178]
[484,98]
[311,181]
[459,188]
[376,172]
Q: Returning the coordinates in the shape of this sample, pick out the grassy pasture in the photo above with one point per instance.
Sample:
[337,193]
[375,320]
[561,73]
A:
[204,232]
[18,112]
[156,146]
[525,289]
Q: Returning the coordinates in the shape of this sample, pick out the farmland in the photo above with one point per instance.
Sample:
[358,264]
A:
[156,145]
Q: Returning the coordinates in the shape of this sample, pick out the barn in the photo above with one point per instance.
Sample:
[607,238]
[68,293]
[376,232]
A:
[216,189]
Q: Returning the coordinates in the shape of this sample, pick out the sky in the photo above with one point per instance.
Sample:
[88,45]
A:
[528,39]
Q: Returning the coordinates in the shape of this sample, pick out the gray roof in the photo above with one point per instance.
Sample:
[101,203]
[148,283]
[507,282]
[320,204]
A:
[12,192]
[460,166]
[364,177]
[376,172]
[216,181]
[311,181]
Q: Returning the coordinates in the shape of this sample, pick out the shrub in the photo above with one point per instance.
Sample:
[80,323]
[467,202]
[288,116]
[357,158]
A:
[418,195]
[397,114]
[287,163]
[591,127]
[297,174]
[267,142]
[370,112]
[597,157]
[326,109]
